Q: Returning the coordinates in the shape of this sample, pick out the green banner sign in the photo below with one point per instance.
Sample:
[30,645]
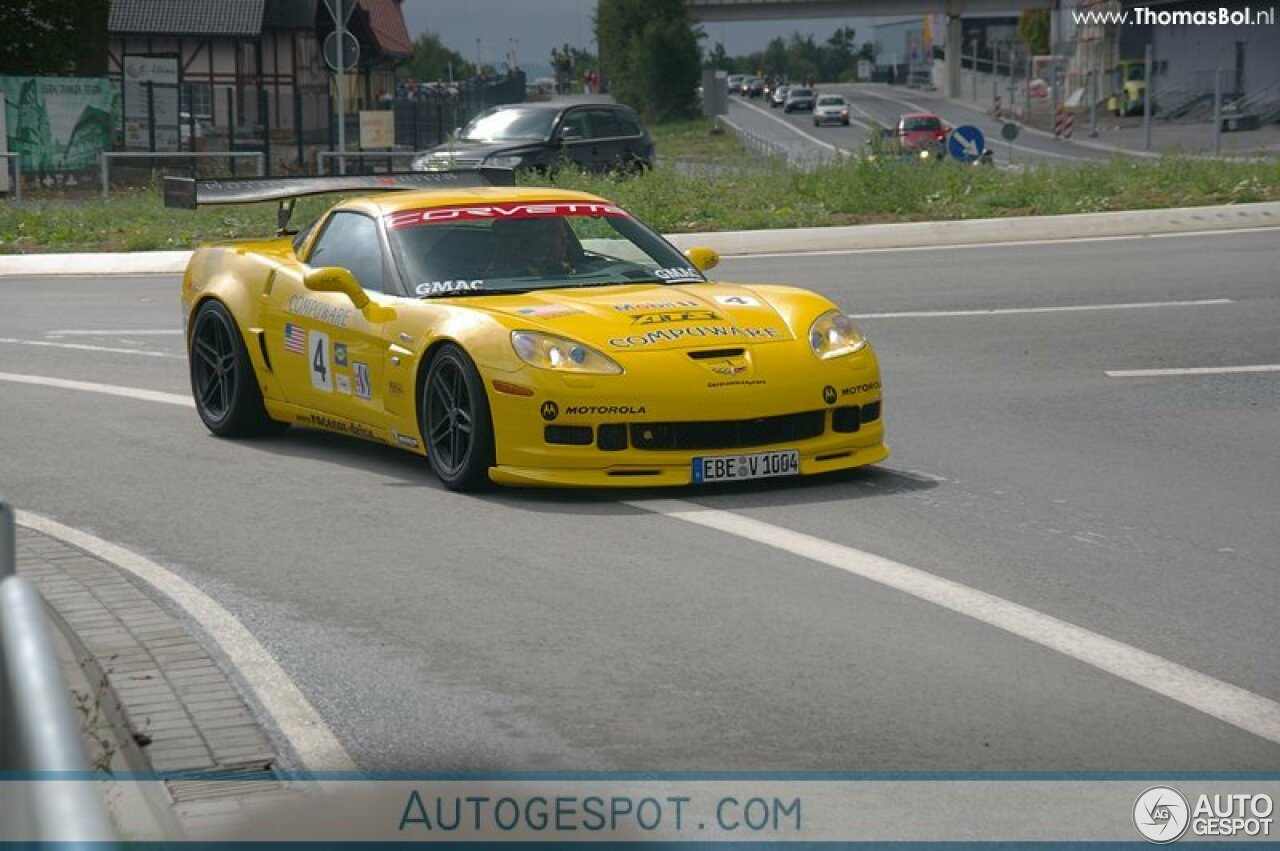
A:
[58,124]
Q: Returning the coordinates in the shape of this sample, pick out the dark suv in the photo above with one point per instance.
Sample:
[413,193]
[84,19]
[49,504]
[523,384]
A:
[538,136]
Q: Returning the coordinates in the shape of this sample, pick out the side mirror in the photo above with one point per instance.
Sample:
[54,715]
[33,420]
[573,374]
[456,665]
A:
[702,258]
[569,135]
[335,279]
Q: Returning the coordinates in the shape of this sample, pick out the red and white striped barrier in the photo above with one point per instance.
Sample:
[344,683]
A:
[1064,123]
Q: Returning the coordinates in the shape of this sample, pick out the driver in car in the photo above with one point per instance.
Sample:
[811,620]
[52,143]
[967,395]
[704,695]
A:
[538,247]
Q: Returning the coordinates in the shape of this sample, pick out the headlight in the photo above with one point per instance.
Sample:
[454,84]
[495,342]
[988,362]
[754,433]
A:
[505,162]
[924,155]
[833,334]
[556,353]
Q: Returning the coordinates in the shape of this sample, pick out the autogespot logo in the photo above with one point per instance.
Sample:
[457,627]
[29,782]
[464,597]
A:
[1161,814]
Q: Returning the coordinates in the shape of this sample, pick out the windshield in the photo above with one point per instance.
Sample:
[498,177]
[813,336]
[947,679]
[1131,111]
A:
[800,93]
[831,100]
[505,124]
[913,124]
[523,246]
[1136,73]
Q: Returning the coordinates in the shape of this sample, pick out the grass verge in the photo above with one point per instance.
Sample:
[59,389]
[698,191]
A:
[742,194]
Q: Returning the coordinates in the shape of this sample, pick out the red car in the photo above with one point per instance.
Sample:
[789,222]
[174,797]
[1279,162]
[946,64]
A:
[922,131]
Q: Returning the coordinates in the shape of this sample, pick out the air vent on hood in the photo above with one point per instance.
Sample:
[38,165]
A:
[707,354]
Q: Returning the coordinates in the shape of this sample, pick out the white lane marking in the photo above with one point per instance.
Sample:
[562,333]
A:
[316,745]
[1236,706]
[1070,308]
[115,332]
[814,139]
[1198,370]
[87,348]
[108,389]
[1011,243]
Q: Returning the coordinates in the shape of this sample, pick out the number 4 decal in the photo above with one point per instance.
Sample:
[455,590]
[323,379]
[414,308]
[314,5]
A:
[318,346]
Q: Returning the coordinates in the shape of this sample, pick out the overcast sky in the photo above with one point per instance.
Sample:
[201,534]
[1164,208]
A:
[542,24]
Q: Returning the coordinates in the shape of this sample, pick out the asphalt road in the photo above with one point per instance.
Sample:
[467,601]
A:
[874,105]
[570,630]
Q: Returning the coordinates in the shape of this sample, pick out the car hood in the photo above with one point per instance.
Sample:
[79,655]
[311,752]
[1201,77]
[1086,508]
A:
[477,150]
[649,318]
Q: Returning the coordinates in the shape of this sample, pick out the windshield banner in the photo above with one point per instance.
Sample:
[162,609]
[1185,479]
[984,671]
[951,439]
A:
[519,210]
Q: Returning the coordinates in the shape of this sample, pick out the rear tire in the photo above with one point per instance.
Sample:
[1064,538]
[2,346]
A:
[457,426]
[223,382]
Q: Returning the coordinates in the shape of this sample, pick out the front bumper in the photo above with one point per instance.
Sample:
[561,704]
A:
[829,411]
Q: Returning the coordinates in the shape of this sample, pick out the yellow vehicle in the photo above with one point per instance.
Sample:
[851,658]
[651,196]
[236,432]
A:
[1129,87]
[525,335]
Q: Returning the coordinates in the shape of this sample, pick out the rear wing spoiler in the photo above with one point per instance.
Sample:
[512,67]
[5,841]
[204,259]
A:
[188,193]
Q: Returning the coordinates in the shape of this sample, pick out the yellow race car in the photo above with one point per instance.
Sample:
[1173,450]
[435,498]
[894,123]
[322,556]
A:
[517,335]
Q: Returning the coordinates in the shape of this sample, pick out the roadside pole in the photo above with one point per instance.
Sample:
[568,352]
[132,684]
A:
[1146,103]
[973,71]
[340,28]
[995,73]
[1091,92]
[1217,112]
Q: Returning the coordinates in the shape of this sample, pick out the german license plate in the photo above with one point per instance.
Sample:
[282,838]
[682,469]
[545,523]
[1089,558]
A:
[756,465]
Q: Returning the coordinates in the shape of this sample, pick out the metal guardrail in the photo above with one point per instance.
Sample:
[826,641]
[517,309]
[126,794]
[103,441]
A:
[38,731]
[108,156]
[755,144]
[17,173]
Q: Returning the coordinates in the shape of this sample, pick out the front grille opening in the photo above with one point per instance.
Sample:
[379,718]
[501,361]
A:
[708,354]
[728,434]
[871,412]
[568,435]
[612,437]
[635,472]
[833,456]
[846,420]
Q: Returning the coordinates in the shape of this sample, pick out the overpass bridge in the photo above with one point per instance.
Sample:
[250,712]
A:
[764,10]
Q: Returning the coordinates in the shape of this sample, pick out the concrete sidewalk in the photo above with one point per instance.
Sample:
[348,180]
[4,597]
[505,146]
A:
[152,699]
[793,240]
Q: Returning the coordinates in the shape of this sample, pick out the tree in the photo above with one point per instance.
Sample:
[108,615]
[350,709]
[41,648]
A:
[1033,31]
[649,52]
[431,61]
[54,37]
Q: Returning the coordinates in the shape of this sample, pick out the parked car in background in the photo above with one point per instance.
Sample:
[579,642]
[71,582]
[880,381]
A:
[595,137]
[799,100]
[754,87]
[779,96]
[831,109]
[735,83]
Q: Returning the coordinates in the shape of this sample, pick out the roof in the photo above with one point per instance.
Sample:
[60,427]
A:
[386,24]
[290,15]
[167,17]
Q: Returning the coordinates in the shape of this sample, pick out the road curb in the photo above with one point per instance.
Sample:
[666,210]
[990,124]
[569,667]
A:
[979,231]
[165,701]
[747,243]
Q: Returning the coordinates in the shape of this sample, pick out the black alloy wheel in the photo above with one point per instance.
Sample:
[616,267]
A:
[223,383]
[457,428]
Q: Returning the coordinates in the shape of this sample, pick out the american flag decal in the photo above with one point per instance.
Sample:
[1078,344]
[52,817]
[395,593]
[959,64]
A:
[295,339]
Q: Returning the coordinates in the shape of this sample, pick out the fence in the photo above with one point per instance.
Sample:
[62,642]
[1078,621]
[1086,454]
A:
[108,156]
[38,731]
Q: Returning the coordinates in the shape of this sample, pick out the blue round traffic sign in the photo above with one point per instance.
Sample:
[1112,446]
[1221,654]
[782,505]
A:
[966,143]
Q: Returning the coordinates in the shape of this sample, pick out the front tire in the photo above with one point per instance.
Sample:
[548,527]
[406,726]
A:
[457,427]
[223,382]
